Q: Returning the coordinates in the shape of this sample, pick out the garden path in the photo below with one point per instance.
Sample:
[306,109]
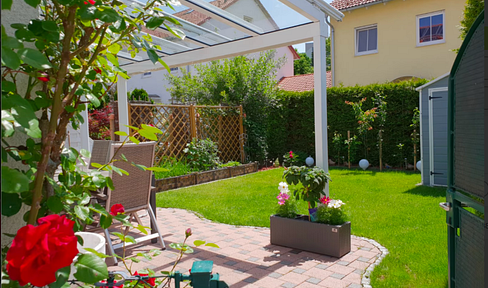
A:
[247,259]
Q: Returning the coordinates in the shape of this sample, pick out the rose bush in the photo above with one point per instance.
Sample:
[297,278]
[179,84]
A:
[37,252]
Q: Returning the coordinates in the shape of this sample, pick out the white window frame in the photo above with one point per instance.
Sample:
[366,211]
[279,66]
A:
[356,31]
[442,12]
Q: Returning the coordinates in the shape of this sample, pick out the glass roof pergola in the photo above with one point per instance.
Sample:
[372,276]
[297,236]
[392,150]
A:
[221,29]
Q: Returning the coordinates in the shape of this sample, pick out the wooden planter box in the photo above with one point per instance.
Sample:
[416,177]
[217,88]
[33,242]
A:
[299,233]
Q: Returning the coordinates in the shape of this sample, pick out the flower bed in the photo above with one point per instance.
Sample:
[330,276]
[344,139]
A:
[204,177]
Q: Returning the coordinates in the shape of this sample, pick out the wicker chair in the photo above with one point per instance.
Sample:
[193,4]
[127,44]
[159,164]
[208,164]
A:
[134,190]
[100,152]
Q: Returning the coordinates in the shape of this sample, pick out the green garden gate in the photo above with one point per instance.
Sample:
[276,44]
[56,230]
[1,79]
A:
[466,159]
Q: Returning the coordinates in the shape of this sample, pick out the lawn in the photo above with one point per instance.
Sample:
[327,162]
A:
[385,206]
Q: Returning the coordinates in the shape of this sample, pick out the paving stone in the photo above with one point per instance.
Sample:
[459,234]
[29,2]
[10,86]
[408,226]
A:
[237,246]
[252,259]
[299,270]
[354,285]
[338,276]
[230,263]
[250,280]
[275,275]
[363,259]
[288,285]
[322,266]
[345,263]
[314,280]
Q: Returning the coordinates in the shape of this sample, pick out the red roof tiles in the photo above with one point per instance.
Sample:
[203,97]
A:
[344,4]
[300,83]
[198,18]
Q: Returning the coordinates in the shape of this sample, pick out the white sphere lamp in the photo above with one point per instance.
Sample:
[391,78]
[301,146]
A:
[364,164]
[309,161]
[419,165]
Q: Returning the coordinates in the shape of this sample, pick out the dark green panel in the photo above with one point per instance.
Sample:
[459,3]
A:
[469,117]
[470,251]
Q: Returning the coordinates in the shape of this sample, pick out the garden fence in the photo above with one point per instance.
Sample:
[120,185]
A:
[182,123]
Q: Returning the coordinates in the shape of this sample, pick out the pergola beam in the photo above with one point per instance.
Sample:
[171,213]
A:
[272,40]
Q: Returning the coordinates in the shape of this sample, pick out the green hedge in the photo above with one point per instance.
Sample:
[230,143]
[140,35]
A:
[291,122]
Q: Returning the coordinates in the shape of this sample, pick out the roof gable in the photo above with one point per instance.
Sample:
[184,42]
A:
[346,4]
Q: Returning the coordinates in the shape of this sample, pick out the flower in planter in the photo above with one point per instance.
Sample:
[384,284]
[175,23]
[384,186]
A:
[325,200]
[287,207]
[333,213]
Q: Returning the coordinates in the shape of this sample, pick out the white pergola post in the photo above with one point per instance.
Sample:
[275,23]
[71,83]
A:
[320,99]
[123,106]
[84,129]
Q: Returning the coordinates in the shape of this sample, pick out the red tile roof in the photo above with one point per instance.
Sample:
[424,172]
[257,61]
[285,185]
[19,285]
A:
[198,18]
[300,83]
[344,4]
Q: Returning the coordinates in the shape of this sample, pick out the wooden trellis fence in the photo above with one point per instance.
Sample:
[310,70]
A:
[181,123]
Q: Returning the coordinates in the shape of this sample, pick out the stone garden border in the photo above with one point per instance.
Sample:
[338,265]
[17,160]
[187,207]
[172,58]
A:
[204,177]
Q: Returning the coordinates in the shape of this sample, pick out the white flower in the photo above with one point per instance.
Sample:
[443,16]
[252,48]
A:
[335,204]
[283,187]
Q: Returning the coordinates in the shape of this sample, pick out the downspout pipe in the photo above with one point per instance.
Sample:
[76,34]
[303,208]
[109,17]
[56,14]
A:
[332,66]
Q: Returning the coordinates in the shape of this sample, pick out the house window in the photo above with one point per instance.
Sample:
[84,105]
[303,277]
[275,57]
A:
[430,28]
[173,69]
[247,18]
[146,75]
[366,40]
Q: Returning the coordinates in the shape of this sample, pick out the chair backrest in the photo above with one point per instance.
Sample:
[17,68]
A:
[100,152]
[133,190]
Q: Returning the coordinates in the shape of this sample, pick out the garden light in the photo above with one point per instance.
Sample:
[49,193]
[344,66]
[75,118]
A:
[364,164]
[309,161]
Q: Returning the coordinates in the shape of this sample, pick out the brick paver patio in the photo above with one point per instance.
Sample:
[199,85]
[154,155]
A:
[247,259]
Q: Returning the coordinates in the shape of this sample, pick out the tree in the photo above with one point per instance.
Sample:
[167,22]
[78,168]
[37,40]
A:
[472,9]
[303,65]
[250,82]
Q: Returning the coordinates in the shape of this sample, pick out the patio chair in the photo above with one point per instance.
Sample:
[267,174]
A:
[100,152]
[133,191]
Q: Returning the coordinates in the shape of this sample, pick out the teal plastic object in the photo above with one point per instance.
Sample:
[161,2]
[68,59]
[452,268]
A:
[201,276]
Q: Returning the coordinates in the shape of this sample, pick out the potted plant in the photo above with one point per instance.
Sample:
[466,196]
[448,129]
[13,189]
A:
[324,230]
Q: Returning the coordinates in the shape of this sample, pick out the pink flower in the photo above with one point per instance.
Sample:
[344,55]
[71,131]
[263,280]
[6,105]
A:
[291,154]
[325,200]
[281,202]
[91,2]
[188,232]
[282,197]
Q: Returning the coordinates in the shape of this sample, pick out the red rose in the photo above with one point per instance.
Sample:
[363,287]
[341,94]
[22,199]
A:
[37,252]
[98,70]
[188,232]
[117,209]
[115,281]
[43,79]
[150,281]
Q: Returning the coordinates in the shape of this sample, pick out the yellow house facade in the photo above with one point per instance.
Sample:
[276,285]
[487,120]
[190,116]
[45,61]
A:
[385,40]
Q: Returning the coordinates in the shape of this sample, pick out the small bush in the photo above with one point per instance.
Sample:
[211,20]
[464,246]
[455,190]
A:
[175,168]
[202,154]
[288,210]
[230,164]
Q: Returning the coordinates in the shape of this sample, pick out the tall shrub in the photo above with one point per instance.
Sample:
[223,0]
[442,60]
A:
[291,120]
[250,82]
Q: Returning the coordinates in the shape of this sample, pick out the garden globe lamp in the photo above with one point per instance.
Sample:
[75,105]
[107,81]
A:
[419,165]
[364,164]
[309,161]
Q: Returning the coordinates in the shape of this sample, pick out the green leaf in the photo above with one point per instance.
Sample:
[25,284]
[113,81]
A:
[157,169]
[90,269]
[154,22]
[108,15]
[11,203]
[120,133]
[34,58]
[165,65]
[101,255]
[130,239]
[6,4]
[82,212]
[61,278]
[198,242]
[110,183]
[14,181]
[55,204]
[212,245]
[134,139]
[10,58]
[11,43]
[105,221]
[114,48]
[153,56]
[33,3]
[93,99]
[113,59]
[87,12]
[85,153]
[50,26]
[142,229]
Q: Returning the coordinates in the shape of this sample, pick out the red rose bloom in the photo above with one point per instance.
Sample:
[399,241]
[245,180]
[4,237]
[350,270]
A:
[150,281]
[117,209]
[43,79]
[98,70]
[37,252]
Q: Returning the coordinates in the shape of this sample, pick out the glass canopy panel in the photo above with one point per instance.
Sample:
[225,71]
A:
[266,15]
[198,28]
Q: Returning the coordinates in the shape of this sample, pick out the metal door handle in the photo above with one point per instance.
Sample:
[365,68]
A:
[446,206]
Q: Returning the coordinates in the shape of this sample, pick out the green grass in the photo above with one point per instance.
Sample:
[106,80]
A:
[385,206]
